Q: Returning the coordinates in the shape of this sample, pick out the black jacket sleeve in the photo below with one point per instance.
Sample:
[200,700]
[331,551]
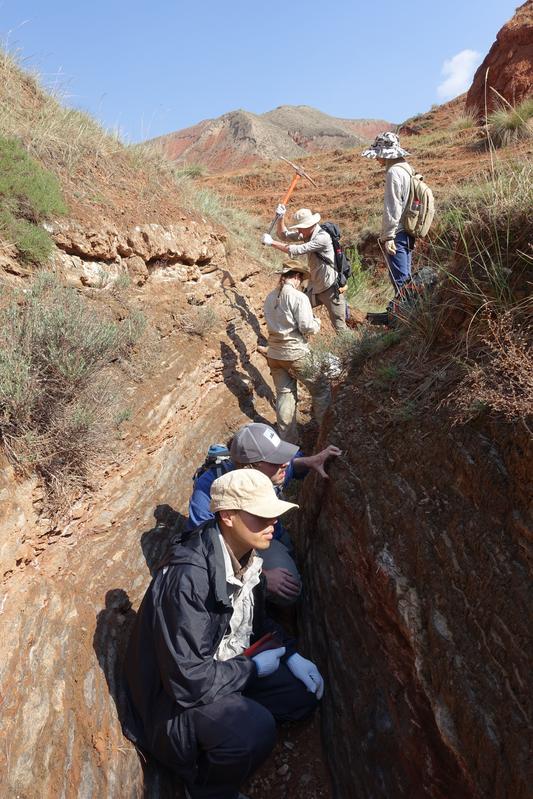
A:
[184,639]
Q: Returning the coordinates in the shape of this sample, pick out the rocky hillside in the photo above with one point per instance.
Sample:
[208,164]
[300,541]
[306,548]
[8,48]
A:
[416,553]
[239,138]
[509,63]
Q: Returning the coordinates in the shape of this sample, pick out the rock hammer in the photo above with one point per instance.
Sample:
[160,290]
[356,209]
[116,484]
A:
[299,174]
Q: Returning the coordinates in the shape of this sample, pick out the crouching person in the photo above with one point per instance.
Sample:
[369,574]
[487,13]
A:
[202,699]
[290,322]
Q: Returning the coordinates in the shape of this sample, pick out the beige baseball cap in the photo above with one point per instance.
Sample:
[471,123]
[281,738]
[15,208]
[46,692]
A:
[249,490]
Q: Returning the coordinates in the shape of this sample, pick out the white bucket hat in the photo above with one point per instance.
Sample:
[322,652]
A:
[386,145]
[304,218]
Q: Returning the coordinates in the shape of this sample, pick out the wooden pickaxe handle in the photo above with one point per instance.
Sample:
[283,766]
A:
[284,201]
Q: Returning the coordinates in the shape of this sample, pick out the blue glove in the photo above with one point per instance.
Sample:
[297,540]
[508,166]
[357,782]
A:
[308,673]
[268,662]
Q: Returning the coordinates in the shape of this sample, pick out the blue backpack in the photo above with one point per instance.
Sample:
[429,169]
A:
[216,455]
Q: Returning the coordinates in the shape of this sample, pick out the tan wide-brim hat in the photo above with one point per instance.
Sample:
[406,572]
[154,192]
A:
[292,265]
[304,218]
[249,490]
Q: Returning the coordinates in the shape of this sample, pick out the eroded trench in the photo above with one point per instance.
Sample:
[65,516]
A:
[415,564]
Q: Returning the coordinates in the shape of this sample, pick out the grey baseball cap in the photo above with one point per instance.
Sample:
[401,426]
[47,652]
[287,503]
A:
[258,442]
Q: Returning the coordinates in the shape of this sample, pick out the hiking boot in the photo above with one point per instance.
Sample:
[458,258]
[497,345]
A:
[378,318]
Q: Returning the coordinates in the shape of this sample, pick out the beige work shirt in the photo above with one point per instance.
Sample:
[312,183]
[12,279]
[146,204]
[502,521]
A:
[240,583]
[322,272]
[290,321]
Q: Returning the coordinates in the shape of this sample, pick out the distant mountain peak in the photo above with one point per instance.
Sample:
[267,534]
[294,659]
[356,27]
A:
[241,138]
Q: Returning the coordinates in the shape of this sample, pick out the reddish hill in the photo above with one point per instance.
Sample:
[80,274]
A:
[240,139]
[509,63]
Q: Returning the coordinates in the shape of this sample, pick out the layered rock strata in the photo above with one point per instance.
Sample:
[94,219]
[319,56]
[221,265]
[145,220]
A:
[69,589]
[417,556]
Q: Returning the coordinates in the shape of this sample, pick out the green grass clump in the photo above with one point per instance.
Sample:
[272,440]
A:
[488,224]
[335,356]
[367,289]
[191,170]
[28,196]
[508,125]
[464,121]
[56,391]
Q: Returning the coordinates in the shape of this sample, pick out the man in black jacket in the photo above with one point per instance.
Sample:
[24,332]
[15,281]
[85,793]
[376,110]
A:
[201,700]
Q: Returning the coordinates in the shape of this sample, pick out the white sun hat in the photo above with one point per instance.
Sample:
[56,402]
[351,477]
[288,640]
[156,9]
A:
[304,218]
[386,145]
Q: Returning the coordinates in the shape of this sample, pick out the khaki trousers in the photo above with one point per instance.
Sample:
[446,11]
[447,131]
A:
[286,375]
[335,305]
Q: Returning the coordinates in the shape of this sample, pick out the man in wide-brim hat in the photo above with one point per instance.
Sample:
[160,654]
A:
[317,245]
[397,243]
[290,321]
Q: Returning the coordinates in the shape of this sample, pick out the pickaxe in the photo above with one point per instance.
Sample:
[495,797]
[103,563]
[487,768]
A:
[299,174]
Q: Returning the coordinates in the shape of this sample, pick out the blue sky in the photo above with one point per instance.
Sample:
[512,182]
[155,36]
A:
[149,68]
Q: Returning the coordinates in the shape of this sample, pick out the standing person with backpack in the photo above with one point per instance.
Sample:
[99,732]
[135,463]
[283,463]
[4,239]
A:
[398,243]
[290,321]
[317,244]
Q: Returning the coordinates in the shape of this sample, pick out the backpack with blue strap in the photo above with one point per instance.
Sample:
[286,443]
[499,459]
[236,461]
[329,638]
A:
[217,454]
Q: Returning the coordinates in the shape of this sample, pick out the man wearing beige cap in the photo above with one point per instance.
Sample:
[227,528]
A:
[208,674]
[311,240]
[258,446]
[290,322]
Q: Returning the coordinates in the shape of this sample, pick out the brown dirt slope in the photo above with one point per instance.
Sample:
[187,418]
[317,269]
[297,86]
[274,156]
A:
[509,63]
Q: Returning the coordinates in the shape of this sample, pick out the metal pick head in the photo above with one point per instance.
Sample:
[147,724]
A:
[299,171]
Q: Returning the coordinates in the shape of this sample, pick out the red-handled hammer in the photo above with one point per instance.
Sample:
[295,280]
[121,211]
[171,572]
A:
[299,174]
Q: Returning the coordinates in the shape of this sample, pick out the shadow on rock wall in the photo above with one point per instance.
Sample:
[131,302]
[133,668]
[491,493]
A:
[113,627]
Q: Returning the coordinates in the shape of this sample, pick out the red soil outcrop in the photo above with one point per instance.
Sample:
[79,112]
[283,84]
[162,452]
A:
[416,555]
[509,63]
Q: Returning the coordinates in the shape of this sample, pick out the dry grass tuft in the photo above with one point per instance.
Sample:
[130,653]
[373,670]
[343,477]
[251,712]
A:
[58,394]
[501,378]
[56,135]
[509,125]
[199,321]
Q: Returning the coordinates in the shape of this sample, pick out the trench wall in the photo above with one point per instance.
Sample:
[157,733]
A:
[416,556]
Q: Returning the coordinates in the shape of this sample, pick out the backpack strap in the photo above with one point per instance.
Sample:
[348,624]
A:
[411,171]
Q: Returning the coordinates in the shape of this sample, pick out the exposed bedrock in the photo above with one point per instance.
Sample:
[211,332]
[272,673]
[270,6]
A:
[508,65]
[415,556]
[69,594]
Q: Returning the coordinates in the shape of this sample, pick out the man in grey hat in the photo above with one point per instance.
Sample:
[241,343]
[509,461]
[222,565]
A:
[317,245]
[397,243]
[208,675]
[290,321]
[258,446]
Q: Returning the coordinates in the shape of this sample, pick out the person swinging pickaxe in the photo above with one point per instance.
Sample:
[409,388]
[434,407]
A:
[299,174]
